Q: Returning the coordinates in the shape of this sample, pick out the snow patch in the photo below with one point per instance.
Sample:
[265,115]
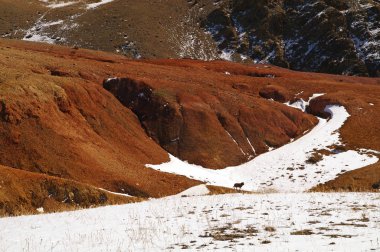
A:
[61,4]
[226,55]
[195,191]
[233,139]
[250,144]
[115,193]
[111,79]
[37,32]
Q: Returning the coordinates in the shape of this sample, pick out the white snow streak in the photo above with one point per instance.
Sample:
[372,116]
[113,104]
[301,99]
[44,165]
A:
[96,5]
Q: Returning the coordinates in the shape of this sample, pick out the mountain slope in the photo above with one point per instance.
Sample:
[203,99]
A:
[340,37]
[56,120]
[59,115]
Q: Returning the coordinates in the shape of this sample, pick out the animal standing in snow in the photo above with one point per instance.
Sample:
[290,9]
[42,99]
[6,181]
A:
[376,185]
[238,186]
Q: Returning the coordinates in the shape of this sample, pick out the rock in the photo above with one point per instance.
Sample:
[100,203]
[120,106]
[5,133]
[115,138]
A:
[160,117]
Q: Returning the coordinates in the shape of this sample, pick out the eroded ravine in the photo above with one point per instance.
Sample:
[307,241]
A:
[209,129]
[297,166]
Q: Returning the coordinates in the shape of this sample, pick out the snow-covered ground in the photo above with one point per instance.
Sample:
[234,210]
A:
[235,222]
[289,168]
[37,32]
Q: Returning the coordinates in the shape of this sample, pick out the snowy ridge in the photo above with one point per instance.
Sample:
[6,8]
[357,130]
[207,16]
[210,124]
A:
[286,169]
[198,190]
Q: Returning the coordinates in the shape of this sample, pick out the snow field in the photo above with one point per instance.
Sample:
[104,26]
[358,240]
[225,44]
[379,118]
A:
[238,222]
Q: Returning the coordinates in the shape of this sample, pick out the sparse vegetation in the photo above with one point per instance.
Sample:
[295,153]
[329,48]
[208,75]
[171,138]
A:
[302,232]
[270,229]
[314,158]
[194,223]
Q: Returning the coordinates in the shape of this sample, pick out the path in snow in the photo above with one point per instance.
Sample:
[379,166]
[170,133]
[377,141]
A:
[285,169]
[251,222]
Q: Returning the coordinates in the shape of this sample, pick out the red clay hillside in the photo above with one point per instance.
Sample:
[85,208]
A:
[76,118]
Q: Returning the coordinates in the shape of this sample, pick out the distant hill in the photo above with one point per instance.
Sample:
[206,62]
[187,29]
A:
[340,36]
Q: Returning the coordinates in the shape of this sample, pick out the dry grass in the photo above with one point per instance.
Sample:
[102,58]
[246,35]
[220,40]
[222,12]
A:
[214,190]
[302,232]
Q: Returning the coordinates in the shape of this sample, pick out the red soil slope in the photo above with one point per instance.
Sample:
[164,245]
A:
[56,117]
[24,192]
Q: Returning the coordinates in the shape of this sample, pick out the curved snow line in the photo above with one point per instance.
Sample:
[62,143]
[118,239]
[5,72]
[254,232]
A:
[95,5]
[58,4]
[284,169]
[199,190]
[116,193]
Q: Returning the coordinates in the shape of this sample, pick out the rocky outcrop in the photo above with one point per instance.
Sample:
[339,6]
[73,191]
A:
[161,118]
[340,37]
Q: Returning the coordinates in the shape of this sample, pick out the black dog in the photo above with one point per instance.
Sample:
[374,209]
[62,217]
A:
[376,185]
[238,185]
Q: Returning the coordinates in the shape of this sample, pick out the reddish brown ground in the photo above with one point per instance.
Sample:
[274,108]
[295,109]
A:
[24,192]
[57,119]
